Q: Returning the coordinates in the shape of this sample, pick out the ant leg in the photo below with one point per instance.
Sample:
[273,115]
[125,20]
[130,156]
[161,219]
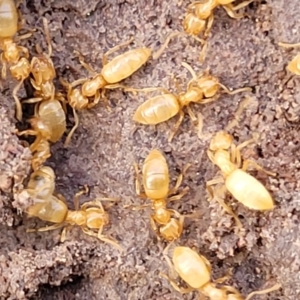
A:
[236,157]
[232,291]
[231,13]
[117,86]
[203,52]
[68,139]
[207,263]
[242,105]
[177,125]
[17,101]
[63,235]
[69,86]
[177,85]
[158,53]
[33,147]
[47,228]
[138,188]
[215,181]
[77,82]
[33,100]
[103,238]
[218,195]
[61,197]
[96,100]
[209,100]
[200,123]
[175,285]
[211,156]
[78,194]
[168,260]
[194,4]
[21,23]
[242,5]
[247,163]
[92,203]
[191,70]
[21,20]
[111,242]
[105,99]
[180,195]
[48,38]
[154,226]
[192,115]
[60,97]
[138,185]
[287,45]
[114,49]
[179,180]
[24,36]
[97,202]
[273,288]
[88,67]
[27,132]
[24,50]
[146,90]
[3,72]
[240,90]
[230,9]
[137,207]
[209,24]
[193,73]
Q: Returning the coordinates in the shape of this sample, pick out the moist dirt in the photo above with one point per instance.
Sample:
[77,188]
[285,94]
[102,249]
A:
[107,143]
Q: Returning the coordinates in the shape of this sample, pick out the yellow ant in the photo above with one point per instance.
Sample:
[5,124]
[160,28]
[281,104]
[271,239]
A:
[43,72]
[48,125]
[167,223]
[195,270]
[203,88]
[14,55]
[118,69]
[91,216]
[241,185]
[200,17]
[294,64]
[49,121]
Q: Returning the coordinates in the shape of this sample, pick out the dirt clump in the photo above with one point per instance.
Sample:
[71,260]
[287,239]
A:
[14,168]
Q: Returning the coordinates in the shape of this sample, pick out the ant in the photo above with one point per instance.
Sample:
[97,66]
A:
[43,72]
[195,270]
[203,89]
[49,121]
[202,17]
[14,55]
[167,223]
[243,187]
[118,69]
[91,216]
[48,124]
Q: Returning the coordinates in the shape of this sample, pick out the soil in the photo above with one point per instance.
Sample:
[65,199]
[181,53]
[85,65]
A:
[107,143]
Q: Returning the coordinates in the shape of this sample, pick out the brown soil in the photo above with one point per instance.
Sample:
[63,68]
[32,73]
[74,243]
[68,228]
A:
[241,53]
